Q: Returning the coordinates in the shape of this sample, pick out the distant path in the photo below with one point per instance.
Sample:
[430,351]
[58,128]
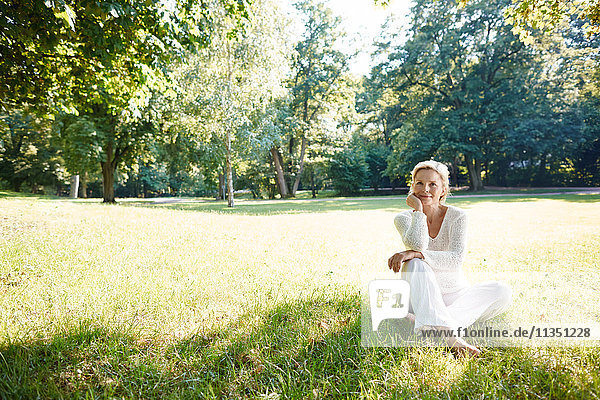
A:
[172,200]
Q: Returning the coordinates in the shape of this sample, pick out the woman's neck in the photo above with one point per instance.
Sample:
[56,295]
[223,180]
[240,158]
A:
[434,210]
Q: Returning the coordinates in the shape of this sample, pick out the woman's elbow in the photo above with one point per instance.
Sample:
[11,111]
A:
[415,245]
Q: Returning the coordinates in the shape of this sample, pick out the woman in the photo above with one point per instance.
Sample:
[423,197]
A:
[435,237]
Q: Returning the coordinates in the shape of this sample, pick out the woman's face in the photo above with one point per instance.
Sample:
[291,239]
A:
[428,186]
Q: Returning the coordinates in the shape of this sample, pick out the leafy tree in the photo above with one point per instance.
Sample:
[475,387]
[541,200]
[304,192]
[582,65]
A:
[226,91]
[317,83]
[348,171]
[527,16]
[466,74]
[102,60]
[27,155]
[101,47]
[76,139]
[376,155]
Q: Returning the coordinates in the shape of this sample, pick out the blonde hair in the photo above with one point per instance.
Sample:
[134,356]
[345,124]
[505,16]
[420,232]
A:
[438,167]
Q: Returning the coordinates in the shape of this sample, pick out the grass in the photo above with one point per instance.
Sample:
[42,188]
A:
[192,300]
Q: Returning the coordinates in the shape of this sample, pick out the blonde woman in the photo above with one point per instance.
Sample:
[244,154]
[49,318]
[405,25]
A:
[434,235]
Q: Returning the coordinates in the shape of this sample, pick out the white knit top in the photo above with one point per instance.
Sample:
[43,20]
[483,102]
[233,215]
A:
[444,253]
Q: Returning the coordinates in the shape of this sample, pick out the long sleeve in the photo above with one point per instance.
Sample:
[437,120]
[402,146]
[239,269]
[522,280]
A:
[452,258]
[413,230]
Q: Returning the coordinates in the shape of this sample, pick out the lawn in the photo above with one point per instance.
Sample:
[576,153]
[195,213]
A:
[192,300]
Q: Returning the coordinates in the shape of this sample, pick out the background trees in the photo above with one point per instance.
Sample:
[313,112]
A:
[101,60]
[204,97]
[316,84]
[471,92]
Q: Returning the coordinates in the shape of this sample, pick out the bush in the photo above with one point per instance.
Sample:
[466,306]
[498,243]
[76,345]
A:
[348,171]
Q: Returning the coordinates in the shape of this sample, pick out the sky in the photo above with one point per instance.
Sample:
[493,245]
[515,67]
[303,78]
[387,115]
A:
[361,20]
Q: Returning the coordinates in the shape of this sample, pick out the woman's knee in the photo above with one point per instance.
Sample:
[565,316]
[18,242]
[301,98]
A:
[416,265]
[504,293]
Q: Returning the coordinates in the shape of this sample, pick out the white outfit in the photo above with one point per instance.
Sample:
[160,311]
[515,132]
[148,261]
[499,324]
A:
[440,294]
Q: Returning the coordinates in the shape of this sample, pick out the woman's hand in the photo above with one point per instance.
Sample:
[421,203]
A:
[414,202]
[395,261]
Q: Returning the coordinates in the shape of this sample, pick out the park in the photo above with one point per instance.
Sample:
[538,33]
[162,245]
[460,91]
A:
[176,301]
[193,194]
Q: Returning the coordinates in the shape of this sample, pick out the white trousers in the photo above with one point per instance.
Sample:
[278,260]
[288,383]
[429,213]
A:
[452,310]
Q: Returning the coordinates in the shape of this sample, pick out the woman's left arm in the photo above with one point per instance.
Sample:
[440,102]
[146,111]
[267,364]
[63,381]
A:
[451,259]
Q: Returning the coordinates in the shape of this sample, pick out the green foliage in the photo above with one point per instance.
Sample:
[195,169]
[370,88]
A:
[529,16]
[79,139]
[73,53]
[376,155]
[464,89]
[315,175]
[348,171]
[256,176]
[318,86]
[102,61]
[231,92]
[27,155]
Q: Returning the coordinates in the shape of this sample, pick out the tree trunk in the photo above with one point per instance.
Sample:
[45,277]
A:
[228,128]
[229,171]
[312,183]
[302,151]
[474,168]
[108,175]
[280,178]
[540,179]
[224,185]
[108,182]
[16,185]
[478,165]
[220,189]
[83,180]
[454,173]
[74,186]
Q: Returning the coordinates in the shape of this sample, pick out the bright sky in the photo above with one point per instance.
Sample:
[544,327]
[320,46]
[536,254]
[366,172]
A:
[362,20]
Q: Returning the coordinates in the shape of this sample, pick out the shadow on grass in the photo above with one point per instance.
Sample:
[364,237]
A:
[297,206]
[391,204]
[298,349]
[6,194]
[274,207]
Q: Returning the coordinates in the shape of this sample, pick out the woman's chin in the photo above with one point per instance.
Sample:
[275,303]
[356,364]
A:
[427,201]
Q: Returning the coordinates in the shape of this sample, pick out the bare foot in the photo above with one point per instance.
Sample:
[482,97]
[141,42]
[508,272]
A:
[410,317]
[461,347]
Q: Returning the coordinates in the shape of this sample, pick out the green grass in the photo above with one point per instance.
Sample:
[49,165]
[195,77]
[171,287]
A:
[192,300]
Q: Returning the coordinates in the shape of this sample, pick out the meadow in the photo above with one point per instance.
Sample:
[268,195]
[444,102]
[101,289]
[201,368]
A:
[195,300]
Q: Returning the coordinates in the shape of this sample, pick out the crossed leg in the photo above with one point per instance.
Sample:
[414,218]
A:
[459,309]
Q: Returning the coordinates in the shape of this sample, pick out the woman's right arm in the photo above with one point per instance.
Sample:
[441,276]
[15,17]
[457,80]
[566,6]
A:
[413,229]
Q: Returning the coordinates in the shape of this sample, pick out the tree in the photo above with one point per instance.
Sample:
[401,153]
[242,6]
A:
[76,139]
[27,155]
[317,82]
[100,59]
[348,171]
[527,16]
[461,76]
[49,48]
[226,92]
[376,155]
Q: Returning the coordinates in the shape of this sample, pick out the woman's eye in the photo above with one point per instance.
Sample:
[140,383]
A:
[433,184]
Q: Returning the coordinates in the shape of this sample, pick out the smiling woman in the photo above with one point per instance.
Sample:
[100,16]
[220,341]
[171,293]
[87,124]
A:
[435,237]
